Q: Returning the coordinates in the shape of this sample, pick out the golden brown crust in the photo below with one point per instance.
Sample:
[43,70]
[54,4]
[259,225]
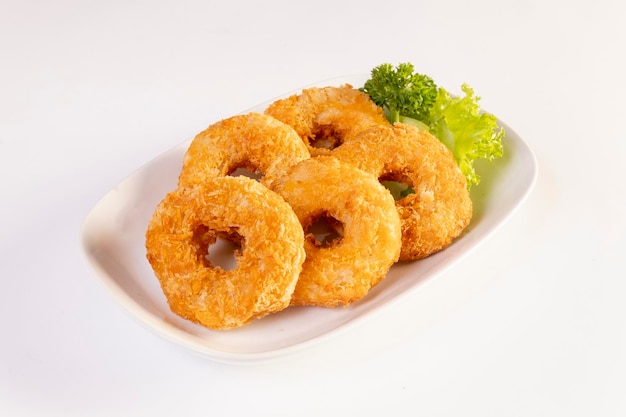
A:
[256,142]
[345,271]
[440,208]
[281,262]
[188,220]
[328,114]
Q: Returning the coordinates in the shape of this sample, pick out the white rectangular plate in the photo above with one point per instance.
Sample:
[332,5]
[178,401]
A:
[113,235]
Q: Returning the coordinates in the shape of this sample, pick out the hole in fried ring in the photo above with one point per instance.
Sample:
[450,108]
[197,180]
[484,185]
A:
[398,186]
[245,171]
[325,231]
[325,137]
[224,250]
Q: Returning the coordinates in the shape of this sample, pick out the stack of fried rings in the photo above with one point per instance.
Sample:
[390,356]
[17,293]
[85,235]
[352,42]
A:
[320,154]
[440,208]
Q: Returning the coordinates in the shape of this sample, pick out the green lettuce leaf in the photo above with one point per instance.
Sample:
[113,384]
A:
[467,131]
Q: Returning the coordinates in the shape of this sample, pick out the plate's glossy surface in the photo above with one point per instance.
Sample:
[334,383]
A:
[113,240]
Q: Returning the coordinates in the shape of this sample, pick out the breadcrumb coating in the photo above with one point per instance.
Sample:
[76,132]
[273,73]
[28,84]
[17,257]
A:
[345,270]
[440,207]
[189,220]
[257,142]
[326,117]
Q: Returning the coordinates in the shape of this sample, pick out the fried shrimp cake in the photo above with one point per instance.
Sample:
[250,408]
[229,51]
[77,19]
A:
[328,116]
[256,142]
[440,207]
[189,220]
[363,215]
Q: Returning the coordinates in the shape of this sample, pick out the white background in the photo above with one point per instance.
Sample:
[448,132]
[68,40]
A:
[532,324]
